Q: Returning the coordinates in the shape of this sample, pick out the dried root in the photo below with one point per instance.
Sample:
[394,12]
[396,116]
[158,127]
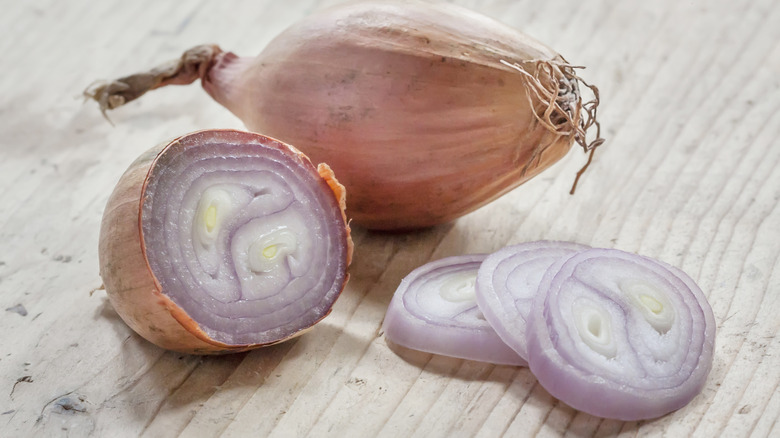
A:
[554,94]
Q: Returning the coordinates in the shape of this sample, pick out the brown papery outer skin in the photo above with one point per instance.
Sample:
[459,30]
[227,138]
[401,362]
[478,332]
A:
[132,288]
[408,103]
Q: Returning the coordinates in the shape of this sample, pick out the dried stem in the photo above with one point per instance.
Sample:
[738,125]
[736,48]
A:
[193,64]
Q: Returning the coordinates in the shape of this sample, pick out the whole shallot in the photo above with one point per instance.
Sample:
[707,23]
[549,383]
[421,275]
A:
[426,111]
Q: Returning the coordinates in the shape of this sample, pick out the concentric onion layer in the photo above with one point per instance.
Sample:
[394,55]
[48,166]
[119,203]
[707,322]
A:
[619,335]
[244,236]
[508,281]
[434,310]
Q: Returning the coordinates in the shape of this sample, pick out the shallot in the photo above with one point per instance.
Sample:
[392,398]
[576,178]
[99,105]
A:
[434,310]
[426,111]
[224,241]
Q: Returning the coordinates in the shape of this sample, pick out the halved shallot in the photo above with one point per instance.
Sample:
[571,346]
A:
[619,335]
[434,310]
[223,241]
[425,111]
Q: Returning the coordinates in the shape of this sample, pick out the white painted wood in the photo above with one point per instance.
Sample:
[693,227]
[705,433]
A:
[690,174]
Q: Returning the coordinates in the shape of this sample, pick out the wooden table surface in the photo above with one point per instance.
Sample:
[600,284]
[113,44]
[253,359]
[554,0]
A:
[690,174]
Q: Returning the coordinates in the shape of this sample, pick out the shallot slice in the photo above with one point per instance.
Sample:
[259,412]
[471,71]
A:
[621,336]
[224,241]
[434,310]
[508,281]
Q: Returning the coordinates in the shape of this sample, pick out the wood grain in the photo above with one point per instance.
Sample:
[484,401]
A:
[690,174]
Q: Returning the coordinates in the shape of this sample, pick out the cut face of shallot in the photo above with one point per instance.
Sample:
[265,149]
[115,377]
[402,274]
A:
[619,335]
[244,241]
[435,310]
[508,281]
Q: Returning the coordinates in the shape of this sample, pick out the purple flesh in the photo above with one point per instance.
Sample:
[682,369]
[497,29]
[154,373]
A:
[509,279]
[434,310]
[246,238]
[621,336]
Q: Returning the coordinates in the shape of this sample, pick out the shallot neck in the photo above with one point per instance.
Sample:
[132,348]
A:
[221,78]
